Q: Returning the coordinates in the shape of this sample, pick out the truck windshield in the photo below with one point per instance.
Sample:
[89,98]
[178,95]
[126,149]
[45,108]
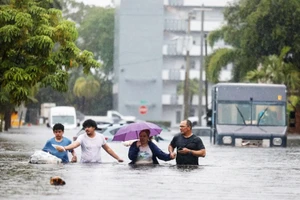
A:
[63,119]
[251,113]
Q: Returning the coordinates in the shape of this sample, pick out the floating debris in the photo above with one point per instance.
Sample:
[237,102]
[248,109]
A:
[41,157]
[56,180]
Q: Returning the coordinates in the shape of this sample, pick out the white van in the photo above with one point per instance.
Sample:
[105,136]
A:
[65,115]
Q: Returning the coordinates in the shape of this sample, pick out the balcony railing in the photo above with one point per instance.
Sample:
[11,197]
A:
[179,74]
[175,2]
[174,99]
[176,25]
[196,3]
[182,25]
[173,50]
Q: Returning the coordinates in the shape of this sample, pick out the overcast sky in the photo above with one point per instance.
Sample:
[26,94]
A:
[96,2]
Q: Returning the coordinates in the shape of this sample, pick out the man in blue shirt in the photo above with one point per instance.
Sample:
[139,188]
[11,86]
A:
[58,131]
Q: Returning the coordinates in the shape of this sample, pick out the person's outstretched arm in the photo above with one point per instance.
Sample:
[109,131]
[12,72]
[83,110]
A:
[111,152]
[159,153]
[69,147]
[74,157]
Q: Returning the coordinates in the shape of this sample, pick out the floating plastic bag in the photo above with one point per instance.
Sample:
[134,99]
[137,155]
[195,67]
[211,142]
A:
[41,157]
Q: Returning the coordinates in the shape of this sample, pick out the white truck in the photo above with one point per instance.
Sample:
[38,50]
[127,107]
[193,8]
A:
[112,117]
[65,115]
[45,108]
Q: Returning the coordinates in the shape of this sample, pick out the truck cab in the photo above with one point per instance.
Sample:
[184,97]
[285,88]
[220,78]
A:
[65,115]
[245,114]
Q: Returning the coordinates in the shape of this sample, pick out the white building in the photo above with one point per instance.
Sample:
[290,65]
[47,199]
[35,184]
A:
[150,54]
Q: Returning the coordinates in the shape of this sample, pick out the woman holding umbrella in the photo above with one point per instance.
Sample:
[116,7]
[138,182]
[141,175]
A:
[144,151]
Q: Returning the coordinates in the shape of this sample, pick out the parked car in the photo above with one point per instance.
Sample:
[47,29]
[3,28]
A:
[202,131]
[110,131]
[107,130]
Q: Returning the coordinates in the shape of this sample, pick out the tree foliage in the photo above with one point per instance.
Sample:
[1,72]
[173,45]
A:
[79,12]
[96,30]
[274,70]
[255,29]
[193,89]
[86,88]
[37,46]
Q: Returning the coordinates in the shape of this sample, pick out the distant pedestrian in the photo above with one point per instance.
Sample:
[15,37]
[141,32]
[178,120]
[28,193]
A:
[59,139]
[189,146]
[91,144]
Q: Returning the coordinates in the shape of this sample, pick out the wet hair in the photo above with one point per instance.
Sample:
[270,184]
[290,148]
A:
[189,124]
[58,126]
[89,123]
[147,132]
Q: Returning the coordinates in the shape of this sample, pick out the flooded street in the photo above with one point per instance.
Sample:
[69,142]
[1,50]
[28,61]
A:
[225,173]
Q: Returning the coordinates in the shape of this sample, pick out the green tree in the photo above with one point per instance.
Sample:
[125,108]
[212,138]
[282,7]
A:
[102,35]
[96,30]
[274,70]
[86,88]
[255,29]
[37,46]
[193,89]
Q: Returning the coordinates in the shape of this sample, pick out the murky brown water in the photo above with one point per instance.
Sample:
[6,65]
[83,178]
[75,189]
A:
[225,173]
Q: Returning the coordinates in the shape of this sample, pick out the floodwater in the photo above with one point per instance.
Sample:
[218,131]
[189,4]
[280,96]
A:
[225,173]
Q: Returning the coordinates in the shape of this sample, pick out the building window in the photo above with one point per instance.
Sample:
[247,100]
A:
[192,112]
[193,64]
[178,117]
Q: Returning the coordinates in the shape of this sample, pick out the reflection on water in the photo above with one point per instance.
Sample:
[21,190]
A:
[225,173]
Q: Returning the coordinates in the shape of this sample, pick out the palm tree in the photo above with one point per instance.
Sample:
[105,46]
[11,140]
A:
[86,88]
[193,89]
[221,57]
[275,70]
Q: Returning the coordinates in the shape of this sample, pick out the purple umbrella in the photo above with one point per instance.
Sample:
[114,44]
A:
[132,131]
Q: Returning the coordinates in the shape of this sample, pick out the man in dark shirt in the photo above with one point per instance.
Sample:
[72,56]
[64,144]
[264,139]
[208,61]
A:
[189,147]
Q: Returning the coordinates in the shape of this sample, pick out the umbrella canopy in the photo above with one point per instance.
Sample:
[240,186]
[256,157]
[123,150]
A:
[132,131]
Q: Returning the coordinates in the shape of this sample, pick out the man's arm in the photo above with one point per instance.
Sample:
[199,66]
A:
[74,157]
[170,148]
[69,147]
[198,153]
[111,152]
[171,151]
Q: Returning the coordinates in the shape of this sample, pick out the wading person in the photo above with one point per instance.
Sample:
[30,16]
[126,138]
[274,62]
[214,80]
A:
[91,144]
[58,131]
[144,151]
[189,146]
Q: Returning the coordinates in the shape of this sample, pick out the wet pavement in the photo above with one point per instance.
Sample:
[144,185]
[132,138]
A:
[225,173]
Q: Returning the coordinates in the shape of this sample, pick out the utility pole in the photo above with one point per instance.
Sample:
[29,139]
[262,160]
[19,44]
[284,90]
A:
[206,83]
[201,68]
[187,72]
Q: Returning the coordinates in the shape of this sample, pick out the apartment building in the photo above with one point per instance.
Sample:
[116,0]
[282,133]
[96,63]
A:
[151,46]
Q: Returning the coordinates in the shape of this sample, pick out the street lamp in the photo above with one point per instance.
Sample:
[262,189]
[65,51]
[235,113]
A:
[187,70]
